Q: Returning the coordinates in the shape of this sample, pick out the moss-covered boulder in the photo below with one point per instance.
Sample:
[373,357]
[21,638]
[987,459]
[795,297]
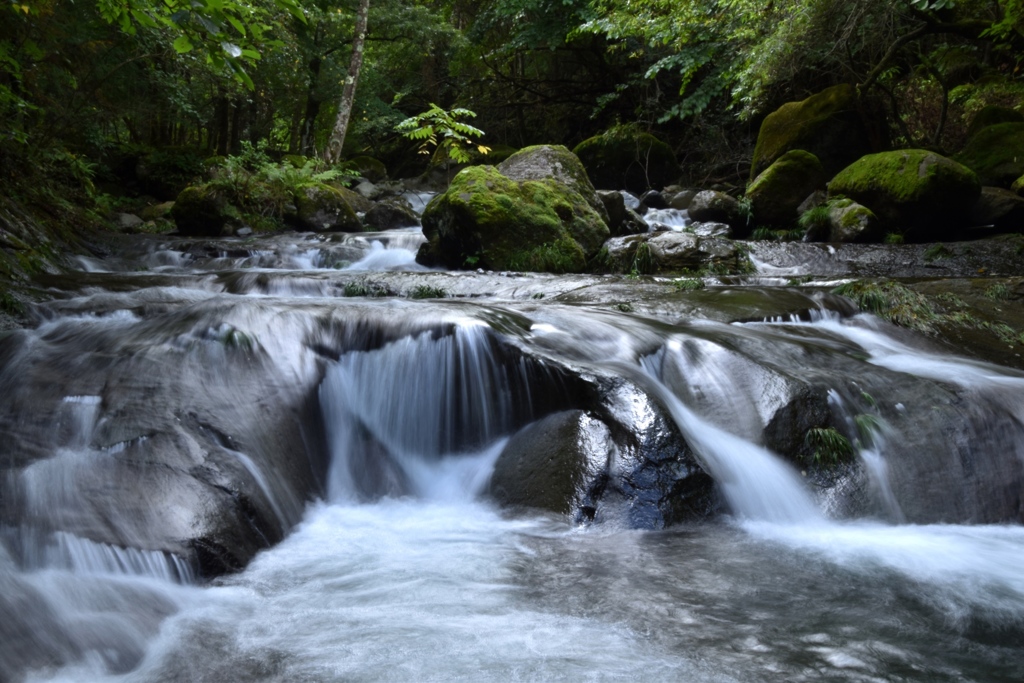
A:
[996,154]
[372,169]
[322,208]
[626,159]
[992,115]
[922,194]
[853,222]
[554,162]
[487,220]
[1018,186]
[827,124]
[778,192]
[202,211]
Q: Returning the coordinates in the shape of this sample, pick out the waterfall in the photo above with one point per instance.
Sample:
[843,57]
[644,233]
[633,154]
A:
[756,484]
[422,411]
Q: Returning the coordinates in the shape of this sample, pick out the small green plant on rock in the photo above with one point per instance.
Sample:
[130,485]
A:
[688,284]
[828,446]
[428,292]
[936,252]
[643,260]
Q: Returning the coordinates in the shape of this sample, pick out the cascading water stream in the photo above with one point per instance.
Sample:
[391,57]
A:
[405,573]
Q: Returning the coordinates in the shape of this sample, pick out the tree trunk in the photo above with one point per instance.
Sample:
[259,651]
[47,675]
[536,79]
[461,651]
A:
[333,152]
[307,142]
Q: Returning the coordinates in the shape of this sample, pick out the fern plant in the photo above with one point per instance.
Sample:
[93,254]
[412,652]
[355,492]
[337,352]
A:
[437,128]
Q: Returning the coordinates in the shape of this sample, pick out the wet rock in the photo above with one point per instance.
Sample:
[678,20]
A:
[852,222]
[624,158]
[923,194]
[554,464]
[652,199]
[391,214]
[202,211]
[996,154]
[128,222]
[654,481]
[1000,208]
[615,206]
[368,190]
[681,200]
[490,221]
[717,207]
[723,230]
[827,124]
[673,252]
[776,195]
[322,208]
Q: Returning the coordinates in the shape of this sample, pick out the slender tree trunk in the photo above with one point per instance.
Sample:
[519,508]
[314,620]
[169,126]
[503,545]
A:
[333,152]
[312,108]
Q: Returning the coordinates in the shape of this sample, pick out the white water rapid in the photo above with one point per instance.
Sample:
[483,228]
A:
[267,461]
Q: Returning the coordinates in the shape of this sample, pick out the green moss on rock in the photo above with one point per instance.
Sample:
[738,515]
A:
[202,211]
[623,158]
[323,208]
[996,154]
[490,221]
[991,116]
[781,188]
[827,124]
[922,193]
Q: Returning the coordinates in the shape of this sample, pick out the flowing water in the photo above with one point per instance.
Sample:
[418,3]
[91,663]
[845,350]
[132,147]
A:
[400,567]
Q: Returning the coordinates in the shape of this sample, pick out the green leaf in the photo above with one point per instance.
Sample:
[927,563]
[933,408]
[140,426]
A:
[182,45]
[239,26]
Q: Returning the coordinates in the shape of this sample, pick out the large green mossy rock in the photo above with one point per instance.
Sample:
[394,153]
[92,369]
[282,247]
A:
[922,194]
[557,163]
[996,154]
[991,116]
[828,125]
[623,159]
[486,220]
[202,211]
[776,194]
[322,208]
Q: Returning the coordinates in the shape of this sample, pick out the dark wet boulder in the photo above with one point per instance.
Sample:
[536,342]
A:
[682,199]
[389,215]
[711,206]
[991,116]
[621,221]
[996,154]
[778,192]
[999,208]
[553,162]
[827,124]
[920,193]
[555,464]
[853,222]
[487,220]
[673,252]
[626,159]
[202,211]
[322,208]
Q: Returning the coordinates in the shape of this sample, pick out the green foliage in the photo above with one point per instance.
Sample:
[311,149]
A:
[998,292]
[816,219]
[643,260]
[894,238]
[442,130]
[936,252]
[428,292]
[688,284]
[828,446]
